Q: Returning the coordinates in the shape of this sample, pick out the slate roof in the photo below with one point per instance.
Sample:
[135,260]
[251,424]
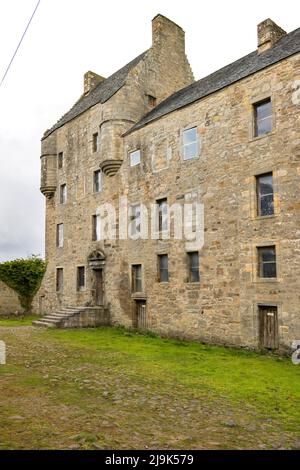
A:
[242,68]
[100,94]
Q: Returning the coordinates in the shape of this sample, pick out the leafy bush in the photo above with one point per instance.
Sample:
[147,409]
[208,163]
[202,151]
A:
[24,276]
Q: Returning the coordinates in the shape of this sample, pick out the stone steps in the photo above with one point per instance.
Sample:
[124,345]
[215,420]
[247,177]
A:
[75,317]
[53,320]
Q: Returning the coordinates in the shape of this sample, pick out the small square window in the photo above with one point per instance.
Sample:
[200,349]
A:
[263,117]
[60,235]
[80,278]
[193,258]
[135,158]
[95,142]
[151,101]
[163,268]
[60,160]
[265,194]
[267,262]
[59,279]
[63,193]
[97,181]
[96,228]
[190,143]
[136,274]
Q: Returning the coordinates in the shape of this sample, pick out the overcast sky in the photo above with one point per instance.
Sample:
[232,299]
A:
[69,37]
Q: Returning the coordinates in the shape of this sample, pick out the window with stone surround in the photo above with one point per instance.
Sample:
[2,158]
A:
[136,278]
[265,194]
[96,221]
[267,267]
[262,117]
[96,142]
[97,181]
[60,160]
[190,144]
[163,268]
[193,265]
[135,219]
[135,158]
[59,279]
[60,235]
[63,194]
[80,278]
[162,215]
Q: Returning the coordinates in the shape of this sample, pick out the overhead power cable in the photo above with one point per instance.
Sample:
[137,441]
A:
[20,42]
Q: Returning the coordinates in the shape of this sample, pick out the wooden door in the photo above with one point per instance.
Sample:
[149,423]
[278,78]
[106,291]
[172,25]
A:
[268,327]
[141,315]
[99,288]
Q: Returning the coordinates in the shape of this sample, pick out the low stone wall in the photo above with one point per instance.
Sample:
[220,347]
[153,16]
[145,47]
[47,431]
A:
[88,318]
[9,301]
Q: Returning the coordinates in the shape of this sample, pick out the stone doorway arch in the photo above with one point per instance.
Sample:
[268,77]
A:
[96,263]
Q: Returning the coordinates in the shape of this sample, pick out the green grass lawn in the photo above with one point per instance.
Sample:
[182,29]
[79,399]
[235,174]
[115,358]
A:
[15,321]
[108,388]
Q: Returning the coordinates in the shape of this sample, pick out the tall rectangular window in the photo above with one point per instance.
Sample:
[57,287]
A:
[136,275]
[163,268]
[190,143]
[60,160]
[263,117]
[96,227]
[59,279]
[162,222]
[265,194]
[135,158]
[135,219]
[95,142]
[194,274]
[60,235]
[80,278]
[267,262]
[97,181]
[63,194]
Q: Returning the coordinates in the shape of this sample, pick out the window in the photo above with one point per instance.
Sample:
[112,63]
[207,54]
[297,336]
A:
[96,142]
[59,279]
[265,194]
[137,278]
[267,262]
[263,117]
[151,101]
[194,275]
[60,160]
[190,143]
[97,181]
[60,235]
[135,219]
[135,158]
[162,205]
[80,278]
[96,228]
[163,268]
[63,193]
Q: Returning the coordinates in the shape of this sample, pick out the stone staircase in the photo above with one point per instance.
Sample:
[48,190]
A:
[75,317]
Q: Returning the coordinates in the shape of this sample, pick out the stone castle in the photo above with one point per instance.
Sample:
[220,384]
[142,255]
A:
[151,136]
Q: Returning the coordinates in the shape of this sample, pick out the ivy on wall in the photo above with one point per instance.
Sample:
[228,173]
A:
[24,276]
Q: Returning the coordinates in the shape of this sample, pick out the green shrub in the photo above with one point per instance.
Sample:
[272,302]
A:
[24,276]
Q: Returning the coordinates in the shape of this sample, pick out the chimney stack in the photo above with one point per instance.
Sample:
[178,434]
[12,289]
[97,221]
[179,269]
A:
[91,79]
[268,34]
[167,33]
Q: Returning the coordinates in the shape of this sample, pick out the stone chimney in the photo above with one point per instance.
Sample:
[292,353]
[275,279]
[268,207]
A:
[91,79]
[167,33]
[268,34]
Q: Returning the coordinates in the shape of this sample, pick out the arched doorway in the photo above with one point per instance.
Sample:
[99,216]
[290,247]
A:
[96,262]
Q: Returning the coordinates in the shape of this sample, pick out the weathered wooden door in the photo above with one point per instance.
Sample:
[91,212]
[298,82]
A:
[268,327]
[141,315]
[99,287]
